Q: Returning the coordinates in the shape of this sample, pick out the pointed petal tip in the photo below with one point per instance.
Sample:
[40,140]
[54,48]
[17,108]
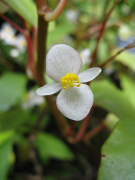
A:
[49,89]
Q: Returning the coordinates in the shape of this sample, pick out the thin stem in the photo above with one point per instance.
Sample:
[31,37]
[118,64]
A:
[37,125]
[120,51]
[34,40]
[80,134]
[102,30]
[42,37]
[29,44]
[126,2]
[33,156]
[41,6]
[18,28]
[51,16]
[94,131]
[72,127]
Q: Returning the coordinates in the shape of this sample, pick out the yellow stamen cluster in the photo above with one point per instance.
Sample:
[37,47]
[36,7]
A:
[70,80]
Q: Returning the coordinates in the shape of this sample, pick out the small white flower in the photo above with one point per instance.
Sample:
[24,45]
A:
[85,55]
[32,100]
[124,33]
[63,65]
[72,15]
[14,53]
[7,33]
[20,42]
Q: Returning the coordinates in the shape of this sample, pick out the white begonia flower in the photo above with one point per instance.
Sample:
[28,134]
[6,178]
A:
[72,15]
[14,53]
[20,42]
[85,55]
[7,33]
[63,65]
[32,100]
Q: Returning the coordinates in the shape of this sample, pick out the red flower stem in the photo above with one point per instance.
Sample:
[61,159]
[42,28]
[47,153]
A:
[102,30]
[29,44]
[80,134]
[18,28]
[34,40]
[42,7]
[72,127]
[51,16]
[120,51]
[30,50]
[94,131]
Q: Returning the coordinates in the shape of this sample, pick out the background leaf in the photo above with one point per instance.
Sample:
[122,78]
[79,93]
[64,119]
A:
[126,58]
[119,152]
[13,119]
[107,96]
[50,146]
[25,8]
[6,141]
[128,86]
[12,89]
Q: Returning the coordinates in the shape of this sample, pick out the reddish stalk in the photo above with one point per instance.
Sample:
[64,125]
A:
[18,28]
[34,40]
[102,30]
[120,51]
[72,127]
[51,16]
[29,44]
[94,131]
[80,134]
[42,7]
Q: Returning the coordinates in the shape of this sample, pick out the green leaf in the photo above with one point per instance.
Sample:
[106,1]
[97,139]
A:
[107,96]
[128,86]
[50,146]
[6,141]
[13,119]
[25,8]
[3,8]
[60,32]
[126,58]
[118,162]
[131,3]
[12,89]
[102,51]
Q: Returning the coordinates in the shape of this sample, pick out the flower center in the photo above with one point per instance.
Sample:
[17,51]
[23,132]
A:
[70,80]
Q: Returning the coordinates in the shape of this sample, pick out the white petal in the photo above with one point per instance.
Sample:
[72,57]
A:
[49,89]
[62,59]
[89,74]
[75,103]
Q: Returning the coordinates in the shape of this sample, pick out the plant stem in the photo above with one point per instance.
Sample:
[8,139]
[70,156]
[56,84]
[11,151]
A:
[34,41]
[31,62]
[80,134]
[102,30]
[120,51]
[41,49]
[51,16]
[41,6]
[94,131]
[18,28]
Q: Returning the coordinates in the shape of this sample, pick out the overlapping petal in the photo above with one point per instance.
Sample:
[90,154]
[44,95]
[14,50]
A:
[49,89]
[89,74]
[75,103]
[62,59]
